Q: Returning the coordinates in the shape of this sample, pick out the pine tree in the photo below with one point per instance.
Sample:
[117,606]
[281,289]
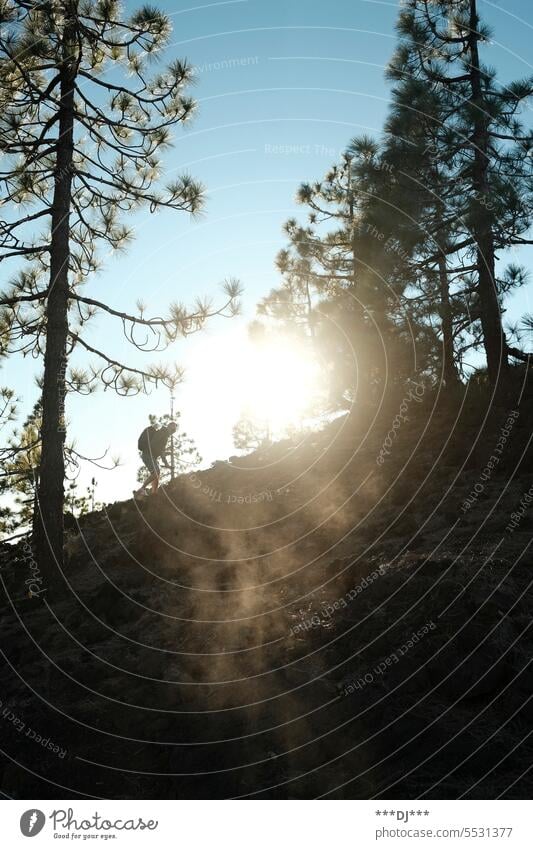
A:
[82,127]
[417,202]
[249,433]
[481,139]
[8,414]
[319,266]
[22,468]
[331,286]
[80,503]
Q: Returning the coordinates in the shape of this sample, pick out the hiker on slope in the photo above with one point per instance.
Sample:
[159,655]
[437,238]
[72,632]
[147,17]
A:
[153,445]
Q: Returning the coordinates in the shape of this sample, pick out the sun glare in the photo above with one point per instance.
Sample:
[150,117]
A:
[274,385]
[278,385]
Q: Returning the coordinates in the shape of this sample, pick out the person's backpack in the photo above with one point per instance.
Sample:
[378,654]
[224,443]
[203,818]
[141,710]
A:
[144,439]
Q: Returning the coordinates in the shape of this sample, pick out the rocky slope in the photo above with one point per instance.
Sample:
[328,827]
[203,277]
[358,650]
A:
[344,616]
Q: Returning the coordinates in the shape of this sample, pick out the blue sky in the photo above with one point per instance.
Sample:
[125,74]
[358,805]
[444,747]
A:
[281,88]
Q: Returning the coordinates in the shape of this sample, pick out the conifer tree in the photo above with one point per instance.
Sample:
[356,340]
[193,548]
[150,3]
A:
[335,282]
[82,127]
[482,140]
[415,199]
[323,287]
[22,468]
[8,414]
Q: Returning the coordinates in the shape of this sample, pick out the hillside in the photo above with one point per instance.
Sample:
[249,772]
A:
[346,615]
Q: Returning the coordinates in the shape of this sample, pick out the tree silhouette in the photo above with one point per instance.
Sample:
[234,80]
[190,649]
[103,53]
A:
[82,126]
[8,414]
[250,433]
[481,139]
[22,468]
[332,286]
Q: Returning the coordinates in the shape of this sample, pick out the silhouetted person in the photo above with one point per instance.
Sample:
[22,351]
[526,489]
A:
[153,445]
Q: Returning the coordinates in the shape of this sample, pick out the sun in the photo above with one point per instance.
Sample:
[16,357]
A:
[273,383]
[278,385]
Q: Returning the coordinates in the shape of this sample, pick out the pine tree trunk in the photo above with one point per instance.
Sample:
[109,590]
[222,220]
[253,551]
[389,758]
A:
[491,323]
[362,340]
[449,368]
[450,373]
[310,316]
[49,523]
[172,458]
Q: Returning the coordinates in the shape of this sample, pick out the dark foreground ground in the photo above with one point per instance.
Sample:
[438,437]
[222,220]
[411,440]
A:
[303,622]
